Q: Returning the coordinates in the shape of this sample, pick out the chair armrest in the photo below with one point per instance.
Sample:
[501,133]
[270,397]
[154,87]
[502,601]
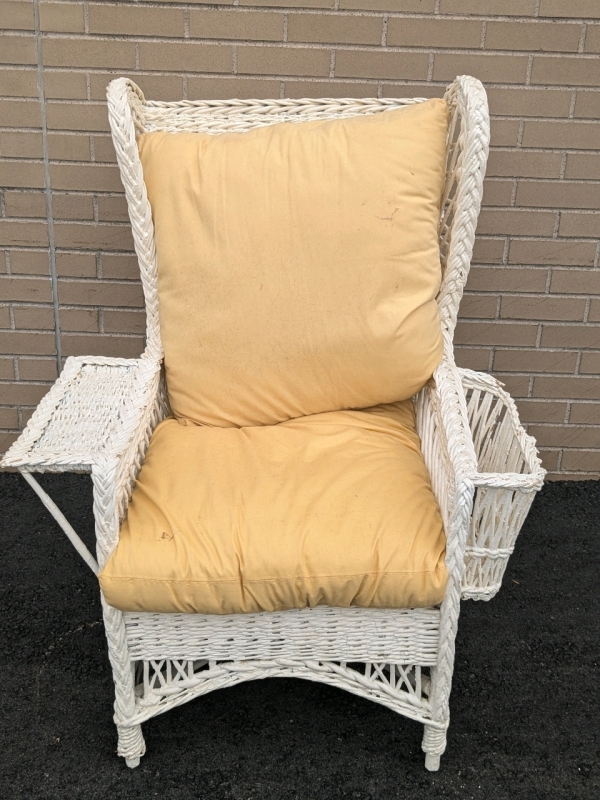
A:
[484,472]
[88,415]
[98,417]
[114,475]
[508,477]
[449,454]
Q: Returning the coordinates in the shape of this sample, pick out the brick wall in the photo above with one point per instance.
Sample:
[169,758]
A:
[532,311]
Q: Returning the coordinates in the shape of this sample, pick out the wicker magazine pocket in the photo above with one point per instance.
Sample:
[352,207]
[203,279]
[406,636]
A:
[509,476]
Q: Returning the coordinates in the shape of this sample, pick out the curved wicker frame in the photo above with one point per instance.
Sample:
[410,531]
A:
[100,414]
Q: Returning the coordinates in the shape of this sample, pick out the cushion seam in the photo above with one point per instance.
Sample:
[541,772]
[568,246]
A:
[264,580]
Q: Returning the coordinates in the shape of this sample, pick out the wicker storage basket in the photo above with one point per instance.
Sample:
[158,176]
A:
[509,475]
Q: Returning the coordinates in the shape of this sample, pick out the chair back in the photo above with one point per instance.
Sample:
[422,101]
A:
[467,143]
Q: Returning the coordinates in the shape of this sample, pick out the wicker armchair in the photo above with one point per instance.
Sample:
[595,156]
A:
[100,414]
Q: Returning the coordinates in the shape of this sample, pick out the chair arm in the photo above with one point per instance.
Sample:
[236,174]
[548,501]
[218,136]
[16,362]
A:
[88,414]
[449,454]
[115,473]
[508,477]
[484,471]
[98,417]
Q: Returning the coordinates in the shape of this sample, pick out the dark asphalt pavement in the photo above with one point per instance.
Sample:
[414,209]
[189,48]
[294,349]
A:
[525,704]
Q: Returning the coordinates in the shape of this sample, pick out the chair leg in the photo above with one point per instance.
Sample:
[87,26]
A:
[434,738]
[131,744]
[434,744]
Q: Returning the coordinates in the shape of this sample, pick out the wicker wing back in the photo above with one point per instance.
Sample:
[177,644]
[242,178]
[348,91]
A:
[467,147]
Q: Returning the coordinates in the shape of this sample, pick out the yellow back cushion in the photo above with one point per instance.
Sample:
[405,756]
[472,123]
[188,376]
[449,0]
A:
[298,263]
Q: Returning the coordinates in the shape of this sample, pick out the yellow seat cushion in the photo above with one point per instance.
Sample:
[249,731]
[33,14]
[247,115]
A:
[334,509]
[298,263]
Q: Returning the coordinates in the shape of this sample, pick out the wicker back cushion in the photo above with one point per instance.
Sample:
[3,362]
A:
[298,263]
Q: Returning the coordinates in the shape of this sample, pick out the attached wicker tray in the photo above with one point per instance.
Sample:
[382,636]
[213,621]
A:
[509,475]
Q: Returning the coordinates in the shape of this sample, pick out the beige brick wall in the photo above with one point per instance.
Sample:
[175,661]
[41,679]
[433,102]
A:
[532,311]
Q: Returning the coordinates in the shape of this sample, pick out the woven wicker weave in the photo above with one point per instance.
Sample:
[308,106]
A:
[484,469]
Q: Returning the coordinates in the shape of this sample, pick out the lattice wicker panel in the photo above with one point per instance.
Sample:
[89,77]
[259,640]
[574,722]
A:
[509,476]
[164,683]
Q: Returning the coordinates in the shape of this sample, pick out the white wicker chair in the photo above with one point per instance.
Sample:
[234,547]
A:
[99,416]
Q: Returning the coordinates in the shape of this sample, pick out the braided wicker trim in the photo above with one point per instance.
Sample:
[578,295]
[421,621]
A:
[238,116]
[450,458]
[468,147]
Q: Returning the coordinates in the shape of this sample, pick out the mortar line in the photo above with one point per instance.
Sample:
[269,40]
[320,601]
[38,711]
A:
[300,9]
[441,84]
[345,13]
[582,37]
[359,47]
[538,337]
[586,313]
[559,461]
[563,167]
[567,414]
[430,67]
[556,224]
[47,185]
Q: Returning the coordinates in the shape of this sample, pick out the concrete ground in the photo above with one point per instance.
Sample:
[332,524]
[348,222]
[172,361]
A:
[525,703]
